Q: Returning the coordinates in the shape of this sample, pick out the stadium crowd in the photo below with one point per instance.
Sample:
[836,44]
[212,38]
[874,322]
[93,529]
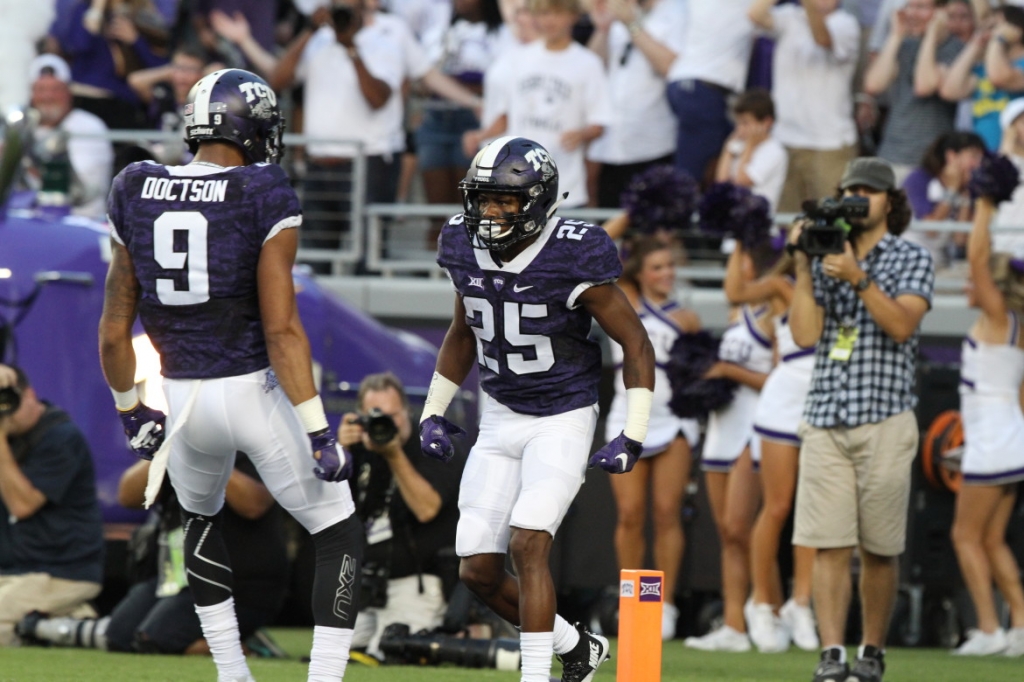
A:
[898,103]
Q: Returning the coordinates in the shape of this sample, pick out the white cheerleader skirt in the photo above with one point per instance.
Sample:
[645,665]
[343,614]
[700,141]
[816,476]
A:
[730,430]
[993,439]
[782,401]
[662,428]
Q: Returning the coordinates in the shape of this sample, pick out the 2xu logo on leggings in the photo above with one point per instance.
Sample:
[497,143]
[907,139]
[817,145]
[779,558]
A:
[345,594]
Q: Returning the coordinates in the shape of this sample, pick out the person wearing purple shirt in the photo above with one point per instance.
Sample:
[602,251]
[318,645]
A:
[937,190]
[101,54]
[528,286]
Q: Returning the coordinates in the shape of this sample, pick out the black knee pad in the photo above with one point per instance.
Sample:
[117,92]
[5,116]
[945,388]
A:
[206,559]
[339,563]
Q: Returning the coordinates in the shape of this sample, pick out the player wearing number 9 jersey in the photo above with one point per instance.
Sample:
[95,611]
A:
[528,286]
[204,253]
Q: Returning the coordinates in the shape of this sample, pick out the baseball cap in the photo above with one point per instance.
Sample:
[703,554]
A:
[49,65]
[1013,109]
[869,171]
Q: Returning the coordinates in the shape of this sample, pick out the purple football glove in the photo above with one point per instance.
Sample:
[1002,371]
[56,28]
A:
[335,462]
[619,456]
[144,427]
[436,438]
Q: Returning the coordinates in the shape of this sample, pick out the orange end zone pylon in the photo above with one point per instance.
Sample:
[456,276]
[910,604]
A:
[641,595]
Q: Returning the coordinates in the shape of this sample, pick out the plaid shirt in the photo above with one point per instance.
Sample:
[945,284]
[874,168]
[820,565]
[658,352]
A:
[877,381]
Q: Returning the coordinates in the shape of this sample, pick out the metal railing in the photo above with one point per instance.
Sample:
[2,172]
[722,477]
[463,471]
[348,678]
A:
[344,208]
[392,239]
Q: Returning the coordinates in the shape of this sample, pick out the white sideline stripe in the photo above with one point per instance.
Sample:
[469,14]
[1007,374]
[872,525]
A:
[490,154]
[158,467]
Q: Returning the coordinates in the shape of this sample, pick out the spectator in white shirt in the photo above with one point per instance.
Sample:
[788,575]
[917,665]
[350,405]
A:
[638,42]
[553,91]
[349,77]
[718,39]
[752,157]
[816,52]
[91,156]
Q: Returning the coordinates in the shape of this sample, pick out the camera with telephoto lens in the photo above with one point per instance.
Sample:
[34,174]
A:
[379,427]
[434,648]
[342,16]
[10,400]
[826,224]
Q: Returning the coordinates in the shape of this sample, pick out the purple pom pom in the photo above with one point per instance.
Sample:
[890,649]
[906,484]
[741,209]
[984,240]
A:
[716,208]
[730,210]
[661,197]
[752,220]
[996,178]
[692,355]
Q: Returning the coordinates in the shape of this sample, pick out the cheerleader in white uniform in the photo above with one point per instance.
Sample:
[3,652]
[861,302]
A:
[771,623]
[746,357]
[664,468]
[991,372]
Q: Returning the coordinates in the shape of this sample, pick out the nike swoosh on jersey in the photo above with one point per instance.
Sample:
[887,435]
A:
[516,288]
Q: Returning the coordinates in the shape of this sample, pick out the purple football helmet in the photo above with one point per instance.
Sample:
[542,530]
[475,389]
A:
[236,106]
[510,165]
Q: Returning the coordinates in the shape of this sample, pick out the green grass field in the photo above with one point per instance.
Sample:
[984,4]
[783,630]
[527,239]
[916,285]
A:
[70,665]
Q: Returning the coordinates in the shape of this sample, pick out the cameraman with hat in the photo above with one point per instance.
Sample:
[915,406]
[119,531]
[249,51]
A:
[51,532]
[862,308]
[408,504]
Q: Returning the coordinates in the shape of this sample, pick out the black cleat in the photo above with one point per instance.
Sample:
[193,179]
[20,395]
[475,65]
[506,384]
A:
[830,669]
[869,668]
[581,664]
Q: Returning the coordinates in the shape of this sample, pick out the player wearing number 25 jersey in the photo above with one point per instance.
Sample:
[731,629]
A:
[528,286]
[204,254]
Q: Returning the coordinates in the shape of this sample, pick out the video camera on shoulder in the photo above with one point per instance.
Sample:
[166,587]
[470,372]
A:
[379,427]
[828,226]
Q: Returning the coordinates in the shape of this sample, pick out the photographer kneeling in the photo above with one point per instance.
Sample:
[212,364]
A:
[860,300]
[408,504]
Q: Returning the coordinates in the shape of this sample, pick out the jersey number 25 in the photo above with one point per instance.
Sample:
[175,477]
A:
[484,328]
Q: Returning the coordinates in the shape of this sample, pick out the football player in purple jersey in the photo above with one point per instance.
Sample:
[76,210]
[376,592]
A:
[204,254]
[528,285]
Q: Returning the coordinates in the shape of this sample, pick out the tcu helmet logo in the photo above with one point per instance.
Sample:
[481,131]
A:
[538,157]
[252,91]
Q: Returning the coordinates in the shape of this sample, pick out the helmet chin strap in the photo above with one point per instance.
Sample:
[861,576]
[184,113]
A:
[554,206]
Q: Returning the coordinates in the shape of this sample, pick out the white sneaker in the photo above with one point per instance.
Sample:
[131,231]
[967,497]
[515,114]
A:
[799,620]
[766,630]
[982,643]
[723,639]
[669,616]
[1014,642]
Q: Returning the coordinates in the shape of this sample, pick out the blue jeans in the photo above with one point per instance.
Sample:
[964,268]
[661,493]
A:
[703,125]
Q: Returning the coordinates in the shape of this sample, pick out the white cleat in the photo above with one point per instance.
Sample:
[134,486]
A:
[799,620]
[766,630]
[723,639]
[1014,642]
[982,643]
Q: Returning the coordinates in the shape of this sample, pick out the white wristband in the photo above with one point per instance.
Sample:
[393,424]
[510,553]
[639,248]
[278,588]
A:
[638,413]
[312,414]
[439,396]
[126,400]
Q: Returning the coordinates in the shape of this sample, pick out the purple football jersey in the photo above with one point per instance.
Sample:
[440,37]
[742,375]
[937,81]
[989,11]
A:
[194,234]
[533,340]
